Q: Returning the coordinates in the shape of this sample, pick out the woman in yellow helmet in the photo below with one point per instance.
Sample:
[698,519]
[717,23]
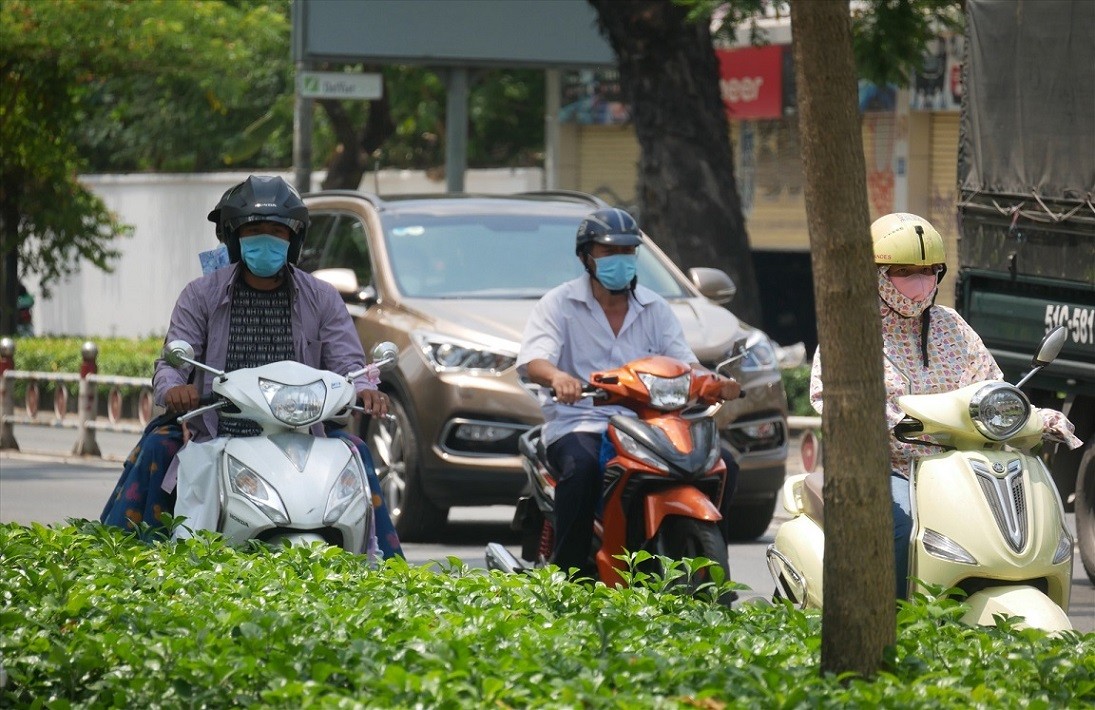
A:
[927,348]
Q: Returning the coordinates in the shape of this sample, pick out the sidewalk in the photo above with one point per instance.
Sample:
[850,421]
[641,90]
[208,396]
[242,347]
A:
[57,442]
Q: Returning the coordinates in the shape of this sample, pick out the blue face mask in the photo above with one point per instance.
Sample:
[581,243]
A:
[616,271]
[264,254]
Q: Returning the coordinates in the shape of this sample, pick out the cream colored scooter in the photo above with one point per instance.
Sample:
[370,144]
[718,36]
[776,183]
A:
[987,517]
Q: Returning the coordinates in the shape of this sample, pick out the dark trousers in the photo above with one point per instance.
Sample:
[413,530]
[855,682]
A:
[576,457]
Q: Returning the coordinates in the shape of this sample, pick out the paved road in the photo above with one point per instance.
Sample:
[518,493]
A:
[43,483]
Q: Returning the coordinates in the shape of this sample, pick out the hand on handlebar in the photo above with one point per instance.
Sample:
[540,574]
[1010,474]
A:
[181,398]
[729,388]
[374,402]
[568,389]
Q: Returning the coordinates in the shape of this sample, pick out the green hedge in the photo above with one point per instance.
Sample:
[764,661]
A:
[135,358]
[124,357]
[94,618]
[796,382]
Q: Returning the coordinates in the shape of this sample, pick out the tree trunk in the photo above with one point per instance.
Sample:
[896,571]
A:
[858,619]
[688,198]
[9,272]
[348,163]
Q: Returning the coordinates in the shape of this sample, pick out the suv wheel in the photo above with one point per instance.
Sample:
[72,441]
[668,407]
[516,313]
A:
[395,445]
[748,522]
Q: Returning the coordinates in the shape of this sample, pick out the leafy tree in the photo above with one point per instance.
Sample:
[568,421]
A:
[129,80]
[405,128]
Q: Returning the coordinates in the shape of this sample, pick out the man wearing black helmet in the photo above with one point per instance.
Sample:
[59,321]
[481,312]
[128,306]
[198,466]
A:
[257,310]
[597,321]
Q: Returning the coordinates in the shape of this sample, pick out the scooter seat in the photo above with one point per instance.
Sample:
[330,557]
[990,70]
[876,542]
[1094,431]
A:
[813,501]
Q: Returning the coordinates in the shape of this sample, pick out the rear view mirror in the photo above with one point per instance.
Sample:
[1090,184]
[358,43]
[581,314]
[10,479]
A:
[714,284]
[385,354]
[1050,347]
[178,352]
[344,280]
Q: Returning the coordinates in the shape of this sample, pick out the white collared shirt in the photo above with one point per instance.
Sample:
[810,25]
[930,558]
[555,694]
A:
[569,329]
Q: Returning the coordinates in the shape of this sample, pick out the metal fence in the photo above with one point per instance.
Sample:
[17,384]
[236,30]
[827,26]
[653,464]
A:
[85,420]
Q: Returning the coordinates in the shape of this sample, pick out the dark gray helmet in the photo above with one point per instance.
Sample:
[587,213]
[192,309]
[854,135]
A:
[215,215]
[610,226]
[262,198]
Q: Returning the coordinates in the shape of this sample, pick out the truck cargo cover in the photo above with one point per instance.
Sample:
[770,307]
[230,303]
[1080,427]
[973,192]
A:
[1028,115]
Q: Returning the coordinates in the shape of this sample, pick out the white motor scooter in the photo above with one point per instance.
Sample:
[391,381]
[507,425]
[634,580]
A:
[285,484]
[987,518]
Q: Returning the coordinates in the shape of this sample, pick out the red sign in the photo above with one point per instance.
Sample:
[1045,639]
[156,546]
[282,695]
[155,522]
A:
[751,81]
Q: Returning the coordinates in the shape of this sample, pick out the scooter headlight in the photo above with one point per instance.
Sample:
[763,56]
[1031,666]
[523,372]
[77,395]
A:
[348,486]
[1064,548]
[941,546]
[667,393]
[635,449]
[296,405]
[251,486]
[999,411]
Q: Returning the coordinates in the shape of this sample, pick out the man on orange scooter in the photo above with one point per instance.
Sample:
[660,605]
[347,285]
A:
[596,322]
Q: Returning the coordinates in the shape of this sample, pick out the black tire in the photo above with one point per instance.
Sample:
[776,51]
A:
[395,446]
[1085,512]
[748,521]
[679,537]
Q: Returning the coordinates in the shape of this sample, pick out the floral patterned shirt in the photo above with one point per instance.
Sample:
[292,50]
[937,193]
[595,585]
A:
[956,357]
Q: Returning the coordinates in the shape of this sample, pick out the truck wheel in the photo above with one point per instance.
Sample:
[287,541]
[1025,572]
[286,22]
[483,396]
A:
[748,521]
[680,537]
[1085,512]
[395,445]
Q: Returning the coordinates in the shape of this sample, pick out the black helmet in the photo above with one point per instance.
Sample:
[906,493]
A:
[215,215]
[610,226]
[262,198]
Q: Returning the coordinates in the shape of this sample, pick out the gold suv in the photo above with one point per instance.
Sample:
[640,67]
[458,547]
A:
[451,280]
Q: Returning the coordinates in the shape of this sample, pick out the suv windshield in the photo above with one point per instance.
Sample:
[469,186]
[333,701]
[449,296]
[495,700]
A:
[496,256]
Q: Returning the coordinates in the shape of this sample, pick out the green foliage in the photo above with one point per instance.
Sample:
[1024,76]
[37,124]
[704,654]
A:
[93,617]
[126,357]
[796,382]
[888,36]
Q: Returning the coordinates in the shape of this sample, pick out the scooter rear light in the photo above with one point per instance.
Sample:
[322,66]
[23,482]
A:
[941,546]
[1064,548]
[261,494]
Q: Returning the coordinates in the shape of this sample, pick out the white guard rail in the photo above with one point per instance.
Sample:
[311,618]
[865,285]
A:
[86,420]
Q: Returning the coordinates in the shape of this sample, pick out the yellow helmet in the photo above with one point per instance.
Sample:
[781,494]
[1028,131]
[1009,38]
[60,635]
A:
[903,238]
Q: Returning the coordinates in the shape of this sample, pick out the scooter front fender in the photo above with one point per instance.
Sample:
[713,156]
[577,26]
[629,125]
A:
[1038,610]
[685,501]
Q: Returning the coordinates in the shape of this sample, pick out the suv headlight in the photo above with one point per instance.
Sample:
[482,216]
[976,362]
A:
[999,410]
[759,356]
[447,354]
[296,405]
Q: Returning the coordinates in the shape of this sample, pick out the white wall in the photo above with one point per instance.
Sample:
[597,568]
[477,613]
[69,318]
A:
[168,214]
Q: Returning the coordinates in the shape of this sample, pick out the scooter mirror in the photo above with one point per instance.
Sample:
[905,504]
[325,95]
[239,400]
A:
[385,355]
[177,352]
[1050,347]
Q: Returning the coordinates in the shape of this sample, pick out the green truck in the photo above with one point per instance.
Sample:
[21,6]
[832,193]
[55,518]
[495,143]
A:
[1026,212]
